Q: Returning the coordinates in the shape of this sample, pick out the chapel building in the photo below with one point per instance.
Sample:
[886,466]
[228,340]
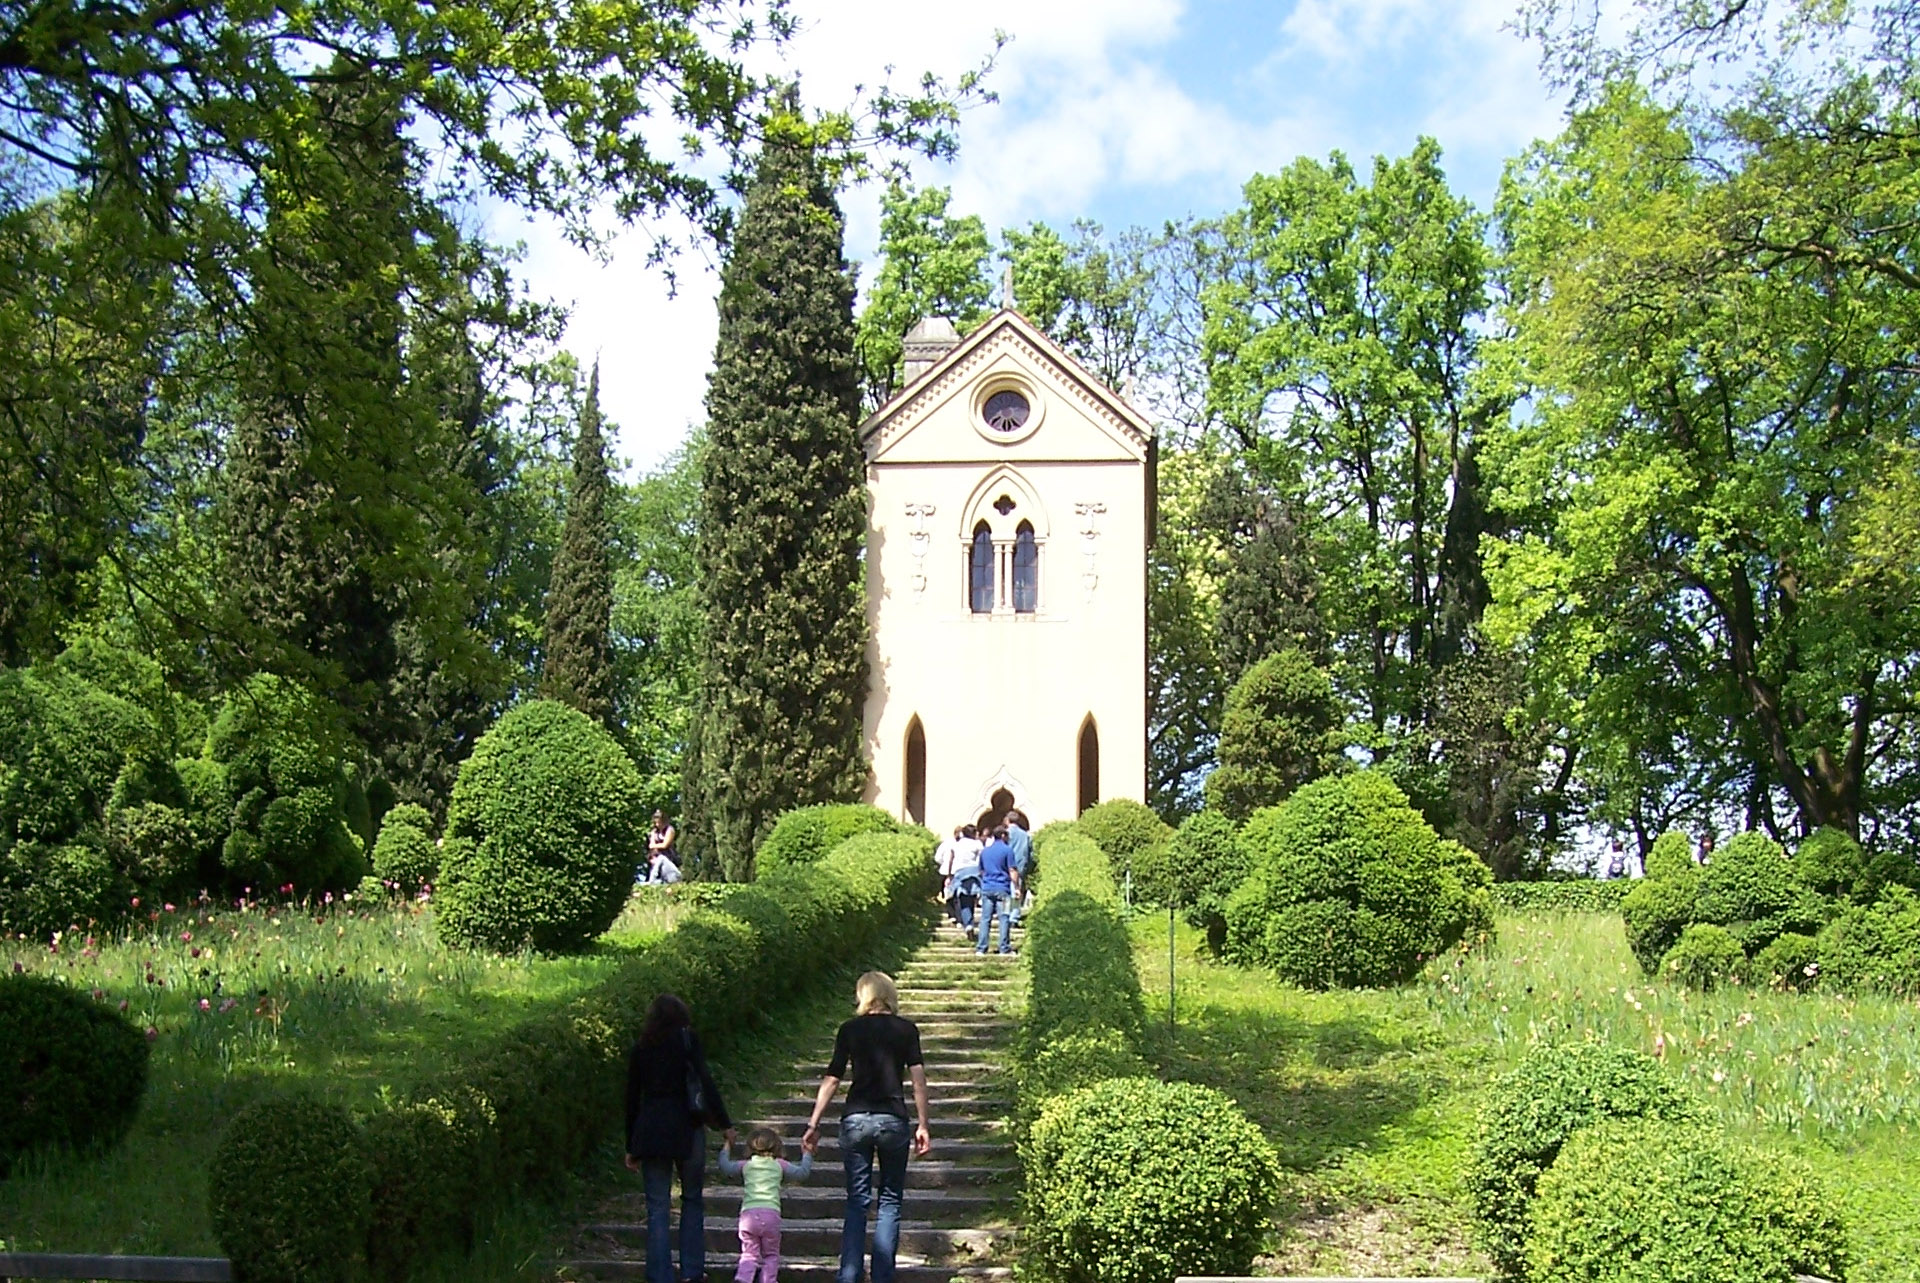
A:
[1011,508]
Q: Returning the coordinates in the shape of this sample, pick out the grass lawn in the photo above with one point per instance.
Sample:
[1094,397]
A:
[1370,1097]
[351,1000]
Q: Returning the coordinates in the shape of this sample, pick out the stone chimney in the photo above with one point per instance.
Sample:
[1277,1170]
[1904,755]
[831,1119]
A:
[925,344]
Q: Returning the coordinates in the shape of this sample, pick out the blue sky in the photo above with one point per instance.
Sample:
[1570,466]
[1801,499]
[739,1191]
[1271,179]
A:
[1123,111]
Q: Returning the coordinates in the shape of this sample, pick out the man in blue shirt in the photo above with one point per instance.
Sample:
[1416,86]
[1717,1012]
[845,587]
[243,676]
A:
[999,882]
[1022,845]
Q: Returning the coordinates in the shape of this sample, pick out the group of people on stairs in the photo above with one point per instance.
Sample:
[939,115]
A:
[985,877]
[672,1102]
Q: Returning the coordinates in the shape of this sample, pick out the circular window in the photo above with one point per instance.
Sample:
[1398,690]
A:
[1006,411]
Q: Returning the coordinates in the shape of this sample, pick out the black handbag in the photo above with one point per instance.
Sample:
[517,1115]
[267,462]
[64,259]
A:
[696,1085]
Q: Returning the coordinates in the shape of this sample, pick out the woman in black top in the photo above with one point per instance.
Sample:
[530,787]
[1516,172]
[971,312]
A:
[665,1135]
[880,1049]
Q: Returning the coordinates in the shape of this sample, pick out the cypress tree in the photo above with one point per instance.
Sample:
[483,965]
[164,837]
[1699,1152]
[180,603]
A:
[782,521]
[577,664]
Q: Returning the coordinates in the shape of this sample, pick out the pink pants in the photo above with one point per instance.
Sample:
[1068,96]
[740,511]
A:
[759,1244]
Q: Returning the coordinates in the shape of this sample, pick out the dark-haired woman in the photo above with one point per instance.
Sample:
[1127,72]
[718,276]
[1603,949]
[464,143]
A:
[665,1135]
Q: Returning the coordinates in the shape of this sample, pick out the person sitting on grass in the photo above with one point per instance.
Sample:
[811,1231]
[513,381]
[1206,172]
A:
[762,1172]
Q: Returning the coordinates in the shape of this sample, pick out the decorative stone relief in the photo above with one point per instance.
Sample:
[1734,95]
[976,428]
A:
[1089,514]
[918,541]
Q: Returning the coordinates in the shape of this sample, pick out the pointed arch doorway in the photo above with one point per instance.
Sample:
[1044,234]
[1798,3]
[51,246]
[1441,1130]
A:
[916,771]
[1089,764]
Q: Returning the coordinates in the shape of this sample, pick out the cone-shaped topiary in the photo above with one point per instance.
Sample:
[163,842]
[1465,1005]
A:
[545,828]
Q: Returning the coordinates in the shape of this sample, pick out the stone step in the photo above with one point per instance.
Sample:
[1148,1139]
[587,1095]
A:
[939,1087]
[937,1126]
[801,1103]
[804,1270]
[922,1173]
[945,1205]
[963,1152]
[820,1237]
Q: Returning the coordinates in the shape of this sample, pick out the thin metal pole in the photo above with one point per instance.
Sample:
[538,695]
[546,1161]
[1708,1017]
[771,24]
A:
[1170,1023]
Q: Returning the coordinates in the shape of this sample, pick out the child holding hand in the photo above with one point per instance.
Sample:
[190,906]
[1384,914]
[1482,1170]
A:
[762,1172]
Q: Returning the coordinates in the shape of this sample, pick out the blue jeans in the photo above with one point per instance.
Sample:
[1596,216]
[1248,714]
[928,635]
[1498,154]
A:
[992,902]
[656,1175]
[868,1141]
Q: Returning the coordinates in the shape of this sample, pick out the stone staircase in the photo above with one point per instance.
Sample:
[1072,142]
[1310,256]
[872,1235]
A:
[961,1201]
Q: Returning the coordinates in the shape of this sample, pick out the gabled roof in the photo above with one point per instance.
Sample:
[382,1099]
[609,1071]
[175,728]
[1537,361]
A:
[904,410]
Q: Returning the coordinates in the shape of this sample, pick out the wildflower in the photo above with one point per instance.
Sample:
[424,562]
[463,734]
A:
[194,952]
[1744,1019]
[123,1004]
[98,994]
[186,936]
[228,1005]
[1660,1044]
[18,967]
[167,907]
[152,1033]
[205,1005]
[136,901]
[1719,1075]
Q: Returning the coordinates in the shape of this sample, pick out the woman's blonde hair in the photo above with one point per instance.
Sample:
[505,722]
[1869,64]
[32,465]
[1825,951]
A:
[875,992]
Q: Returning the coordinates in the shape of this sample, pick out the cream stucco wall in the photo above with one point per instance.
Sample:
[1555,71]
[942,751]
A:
[1002,697]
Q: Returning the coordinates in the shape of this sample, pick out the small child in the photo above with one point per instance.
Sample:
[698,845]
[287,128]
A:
[762,1172]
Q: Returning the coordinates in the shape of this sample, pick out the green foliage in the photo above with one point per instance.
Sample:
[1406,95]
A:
[72,1070]
[1077,952]
[544,831]
[47,887]
[577,655]
[1155,881]
[932,263]
[1136,1181]
[1830,863]
[1791,962]
[1209,863]
[806,834]
[1122,827]
[292,1192]
[515,1114]
[406,855]
[1350,887]
[63,743]
[1648,1201]
[1749,888]
[1282,727]
[1671,856]
[157,848]
[1656,911]
[1874,947]
[289,774]
[782,525]
[1704,957]
[1565,895]
[1072,1061]
[1553,1094]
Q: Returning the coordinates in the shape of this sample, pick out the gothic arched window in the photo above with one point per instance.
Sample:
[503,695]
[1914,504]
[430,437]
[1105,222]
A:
[980,570]
[1026,570]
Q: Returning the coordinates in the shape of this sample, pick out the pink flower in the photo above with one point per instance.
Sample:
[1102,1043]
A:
[194,952]
[205,1005]
[228,1005]
[152,1033]
[136,901]
[98,994]
[167,907]
[186,936]
[123,1004]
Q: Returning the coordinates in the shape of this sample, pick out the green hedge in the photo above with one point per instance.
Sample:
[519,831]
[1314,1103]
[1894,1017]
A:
[1122,828]
[1563,895]
[72,1070]
[533,1105]
[806,834]
[1129,1180]
[1656,1203]
[1532,1111]
[1705,957]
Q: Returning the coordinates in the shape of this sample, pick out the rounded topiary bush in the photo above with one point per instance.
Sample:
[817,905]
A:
[1656,911]
[1554,1092]
[1350,886]
[1671,855]
[806,834]
[1137,1181]
[545,827]
[1705,957]
[291,1191]
[72,1070]
[47,887]
[406,855]
[1121,827]
[1282,725]
[1656,1203]
[1791,962]
[1875,946]
[1750,890]
[1210,863]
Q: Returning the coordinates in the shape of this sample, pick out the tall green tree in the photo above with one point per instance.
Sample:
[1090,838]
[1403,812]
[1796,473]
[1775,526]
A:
[782,517]
[932,263]
[1283,727]
[577,657]
[1710,419]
